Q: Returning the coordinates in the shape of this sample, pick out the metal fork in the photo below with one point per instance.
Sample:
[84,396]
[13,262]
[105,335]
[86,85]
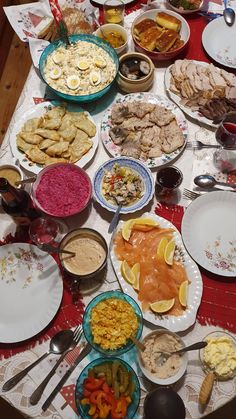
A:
[198,145]
[36,396]
[190,194]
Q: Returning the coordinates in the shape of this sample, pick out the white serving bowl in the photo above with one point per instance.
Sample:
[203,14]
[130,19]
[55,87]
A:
[13,167]
[151,376]
[109,27]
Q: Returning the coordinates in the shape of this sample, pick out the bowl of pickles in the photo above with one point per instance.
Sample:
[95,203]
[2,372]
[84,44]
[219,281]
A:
[107,387]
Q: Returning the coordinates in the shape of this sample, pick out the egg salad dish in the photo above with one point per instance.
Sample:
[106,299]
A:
[82,68]
[220,356]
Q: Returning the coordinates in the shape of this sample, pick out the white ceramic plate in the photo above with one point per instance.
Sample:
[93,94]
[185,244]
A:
[36,112]
[31,290]
[177,99]
[144,173]
[219,42]
[114,149]
[209,233]
[173,323]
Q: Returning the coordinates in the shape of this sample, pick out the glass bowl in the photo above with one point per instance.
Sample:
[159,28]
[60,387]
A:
[55,193]
[83,409]
[206,368]
[87,315]
[74,38]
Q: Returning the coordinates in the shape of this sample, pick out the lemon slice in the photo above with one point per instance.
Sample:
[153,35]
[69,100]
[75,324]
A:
[127,227]
[183,292]
[162,306]
[136,271]
[169,252]
[127,273]
[161,247]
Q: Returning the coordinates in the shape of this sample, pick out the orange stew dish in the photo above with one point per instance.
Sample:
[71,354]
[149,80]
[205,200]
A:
[153,265]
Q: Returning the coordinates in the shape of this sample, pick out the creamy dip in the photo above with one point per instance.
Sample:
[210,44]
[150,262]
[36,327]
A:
[154,344]
[11,175]
[220,356]
[89,255]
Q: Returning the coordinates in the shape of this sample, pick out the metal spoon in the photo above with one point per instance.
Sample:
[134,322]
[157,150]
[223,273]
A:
[208,181]
[165,355]
[115,219]
[58,344]
[229,14]
[51,249]
[137,343]
[28,180]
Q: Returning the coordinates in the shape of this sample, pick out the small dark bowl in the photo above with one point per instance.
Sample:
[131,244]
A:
[164,403]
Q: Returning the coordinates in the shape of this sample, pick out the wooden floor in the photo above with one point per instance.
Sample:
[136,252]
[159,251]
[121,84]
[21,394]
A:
[14,68]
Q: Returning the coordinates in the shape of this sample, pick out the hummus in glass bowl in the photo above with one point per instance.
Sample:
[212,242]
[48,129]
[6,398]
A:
[154,366]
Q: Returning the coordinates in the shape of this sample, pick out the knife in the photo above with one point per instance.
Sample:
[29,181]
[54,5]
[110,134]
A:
[85,351]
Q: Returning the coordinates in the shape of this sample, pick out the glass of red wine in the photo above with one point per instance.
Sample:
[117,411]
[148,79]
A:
[225,158]
[168,179]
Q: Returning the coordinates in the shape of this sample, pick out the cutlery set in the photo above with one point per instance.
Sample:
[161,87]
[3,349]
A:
[61,344]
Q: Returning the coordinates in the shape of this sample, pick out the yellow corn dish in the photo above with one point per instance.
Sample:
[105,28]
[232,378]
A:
[113,322]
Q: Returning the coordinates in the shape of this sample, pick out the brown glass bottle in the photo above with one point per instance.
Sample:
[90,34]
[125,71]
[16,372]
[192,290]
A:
[17,203]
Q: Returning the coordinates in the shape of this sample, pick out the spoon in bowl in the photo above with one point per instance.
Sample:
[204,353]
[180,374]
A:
[229,14]
[208,181]
[164,355]
[59,343]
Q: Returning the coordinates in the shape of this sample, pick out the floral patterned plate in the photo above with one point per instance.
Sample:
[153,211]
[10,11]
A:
[173,323]
[114,149]
[30,291]
[36,112]
[209,234]
[218,40]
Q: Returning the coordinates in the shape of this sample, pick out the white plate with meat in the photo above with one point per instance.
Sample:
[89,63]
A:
[201,89]
[146,127]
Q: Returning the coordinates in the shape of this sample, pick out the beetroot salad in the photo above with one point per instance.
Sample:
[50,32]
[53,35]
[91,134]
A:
[63,190]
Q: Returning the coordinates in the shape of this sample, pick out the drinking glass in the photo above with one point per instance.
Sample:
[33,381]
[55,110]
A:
[114,11]
[45,230]
[225,158]
[168,179]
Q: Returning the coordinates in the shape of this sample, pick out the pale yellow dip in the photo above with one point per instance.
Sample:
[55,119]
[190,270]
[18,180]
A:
[220,356]
[89,255]
[10,174]
[163,342]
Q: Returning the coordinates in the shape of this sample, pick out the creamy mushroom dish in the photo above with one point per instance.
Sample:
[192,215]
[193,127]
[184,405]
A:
[80,69]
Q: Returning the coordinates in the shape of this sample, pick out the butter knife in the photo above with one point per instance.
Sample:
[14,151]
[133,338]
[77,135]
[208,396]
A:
[85,351]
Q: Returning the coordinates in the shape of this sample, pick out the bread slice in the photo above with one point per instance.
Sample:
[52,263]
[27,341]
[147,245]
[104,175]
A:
[149,38]
[168,21]
[166,40]
[143,26]
[178,44]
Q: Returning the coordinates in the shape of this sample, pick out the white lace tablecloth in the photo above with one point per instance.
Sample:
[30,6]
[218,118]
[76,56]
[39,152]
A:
[191,163]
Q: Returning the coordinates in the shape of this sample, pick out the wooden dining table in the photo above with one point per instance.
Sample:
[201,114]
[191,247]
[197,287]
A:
[19,82]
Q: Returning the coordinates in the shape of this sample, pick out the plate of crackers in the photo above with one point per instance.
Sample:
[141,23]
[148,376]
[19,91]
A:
[49,133]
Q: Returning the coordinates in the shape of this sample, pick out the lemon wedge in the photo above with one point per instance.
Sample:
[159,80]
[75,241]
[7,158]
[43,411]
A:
[161,247]
[169,252]
[127,273]
[162,306]
[183,292]
[136,271]
[127,227]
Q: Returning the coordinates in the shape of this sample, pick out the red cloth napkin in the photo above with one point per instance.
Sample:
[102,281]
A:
[67,316]
[218,305]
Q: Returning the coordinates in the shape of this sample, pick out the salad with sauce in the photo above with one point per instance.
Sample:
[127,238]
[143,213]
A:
[122,185]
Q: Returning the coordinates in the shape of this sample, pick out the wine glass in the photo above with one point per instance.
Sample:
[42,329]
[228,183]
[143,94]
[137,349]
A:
[225,158]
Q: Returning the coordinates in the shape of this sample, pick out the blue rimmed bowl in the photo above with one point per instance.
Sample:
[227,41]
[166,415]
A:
[137,167]
[83,409]
[87,317]
[74,38]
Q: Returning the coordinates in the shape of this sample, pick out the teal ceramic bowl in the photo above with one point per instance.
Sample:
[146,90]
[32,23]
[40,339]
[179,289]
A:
[83,409]
[74,38]
[87,316]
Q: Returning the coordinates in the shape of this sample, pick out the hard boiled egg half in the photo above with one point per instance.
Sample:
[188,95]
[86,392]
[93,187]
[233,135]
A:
[95,78]
[73,82]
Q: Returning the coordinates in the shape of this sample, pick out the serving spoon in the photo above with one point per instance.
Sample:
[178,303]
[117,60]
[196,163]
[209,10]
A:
[59,343]
[229,14]
[208,181]
[164,355]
